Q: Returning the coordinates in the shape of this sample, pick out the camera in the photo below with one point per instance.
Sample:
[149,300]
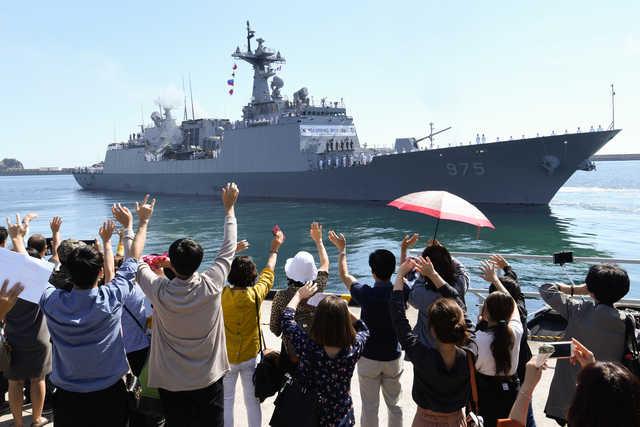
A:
[562,258]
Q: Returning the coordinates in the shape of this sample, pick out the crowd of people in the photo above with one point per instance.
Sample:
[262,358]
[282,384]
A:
[111,327]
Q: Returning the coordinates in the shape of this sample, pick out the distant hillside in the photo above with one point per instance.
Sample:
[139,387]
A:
[7,164]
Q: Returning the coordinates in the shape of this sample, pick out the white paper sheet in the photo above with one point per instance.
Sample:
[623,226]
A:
[31,272]
[316,298]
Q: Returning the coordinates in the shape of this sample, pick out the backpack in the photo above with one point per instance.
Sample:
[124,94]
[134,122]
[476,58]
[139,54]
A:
[631,355]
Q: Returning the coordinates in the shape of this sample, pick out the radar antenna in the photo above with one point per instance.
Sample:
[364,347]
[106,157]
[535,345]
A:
[250,34]
[613,108]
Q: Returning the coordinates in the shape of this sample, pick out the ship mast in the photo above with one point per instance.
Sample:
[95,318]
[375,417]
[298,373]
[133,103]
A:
[262,59]
[613,108]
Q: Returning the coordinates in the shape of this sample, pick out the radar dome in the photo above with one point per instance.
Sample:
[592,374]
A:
[277,83]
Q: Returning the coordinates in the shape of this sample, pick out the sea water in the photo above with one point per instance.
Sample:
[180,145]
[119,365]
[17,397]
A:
[595,214]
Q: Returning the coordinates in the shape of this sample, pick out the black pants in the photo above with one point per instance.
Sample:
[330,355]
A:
[496,396]
[194,408]
[137,359]
[103,408]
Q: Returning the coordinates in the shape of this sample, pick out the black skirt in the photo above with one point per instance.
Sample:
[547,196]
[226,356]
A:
[496,396]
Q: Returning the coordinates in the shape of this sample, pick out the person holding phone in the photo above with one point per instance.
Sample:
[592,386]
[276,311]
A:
[593,320]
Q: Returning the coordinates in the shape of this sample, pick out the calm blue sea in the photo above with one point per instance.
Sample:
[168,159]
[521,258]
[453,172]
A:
[594,214]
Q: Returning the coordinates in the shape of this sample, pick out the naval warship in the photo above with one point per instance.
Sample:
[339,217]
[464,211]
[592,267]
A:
[294,149]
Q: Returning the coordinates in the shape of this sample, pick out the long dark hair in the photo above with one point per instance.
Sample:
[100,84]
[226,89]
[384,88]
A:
[441,260]
[607,394]
[500,307]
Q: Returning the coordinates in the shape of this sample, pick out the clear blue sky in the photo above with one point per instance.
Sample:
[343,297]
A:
[73,70]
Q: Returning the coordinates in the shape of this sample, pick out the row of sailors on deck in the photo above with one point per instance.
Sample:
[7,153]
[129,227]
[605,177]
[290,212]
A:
[482,139]
[345,161]
[345,145]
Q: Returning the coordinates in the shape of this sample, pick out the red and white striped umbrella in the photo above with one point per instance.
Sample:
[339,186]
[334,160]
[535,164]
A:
[442,205]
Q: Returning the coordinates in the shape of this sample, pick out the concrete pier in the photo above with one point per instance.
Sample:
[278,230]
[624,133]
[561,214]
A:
[407,403]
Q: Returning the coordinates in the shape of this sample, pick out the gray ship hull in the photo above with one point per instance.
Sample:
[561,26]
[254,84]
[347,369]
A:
[528,171]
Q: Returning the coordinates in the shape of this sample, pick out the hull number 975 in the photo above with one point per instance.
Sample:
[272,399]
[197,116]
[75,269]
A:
[465,168]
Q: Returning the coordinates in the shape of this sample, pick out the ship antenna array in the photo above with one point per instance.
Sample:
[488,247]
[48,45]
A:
[250,34]
[184,92]
[193,115]
[613,108]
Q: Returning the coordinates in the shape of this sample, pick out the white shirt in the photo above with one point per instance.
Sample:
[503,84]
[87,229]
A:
[485,364]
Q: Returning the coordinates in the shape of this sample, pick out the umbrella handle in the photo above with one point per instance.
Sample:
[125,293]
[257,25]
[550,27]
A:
[435,233]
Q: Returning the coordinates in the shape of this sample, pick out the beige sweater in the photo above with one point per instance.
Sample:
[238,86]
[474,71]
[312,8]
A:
[188,350]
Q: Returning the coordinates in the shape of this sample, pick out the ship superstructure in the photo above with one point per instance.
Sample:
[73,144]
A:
[292,148]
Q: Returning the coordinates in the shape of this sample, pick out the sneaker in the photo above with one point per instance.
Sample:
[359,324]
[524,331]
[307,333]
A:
[40,423]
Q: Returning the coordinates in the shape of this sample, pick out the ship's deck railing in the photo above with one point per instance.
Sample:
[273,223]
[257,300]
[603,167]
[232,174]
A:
[482,293]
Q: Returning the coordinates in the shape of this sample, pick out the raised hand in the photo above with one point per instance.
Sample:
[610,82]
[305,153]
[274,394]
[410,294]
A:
[29,217]
[55,224]
[8,297]
[242,246]
[106,230]
[533,373]
[499,261]
[406,267]
[425,267]
[17,230]
[229,196]
[277,241]
[122,214]
[145,208]
[409,242]
[338,240]
[581,355]
[307,291]
[488,271]
[315,231]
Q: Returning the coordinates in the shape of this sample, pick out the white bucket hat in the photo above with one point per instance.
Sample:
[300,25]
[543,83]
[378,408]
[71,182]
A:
[301,267]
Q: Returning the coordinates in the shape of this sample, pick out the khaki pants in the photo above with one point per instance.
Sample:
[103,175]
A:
[374,375]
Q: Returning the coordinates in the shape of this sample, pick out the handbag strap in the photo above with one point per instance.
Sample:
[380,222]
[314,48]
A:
[475,407]
[630,333]
[258,319]
[134,318]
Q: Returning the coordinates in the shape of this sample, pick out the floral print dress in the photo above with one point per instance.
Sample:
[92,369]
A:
[329,378]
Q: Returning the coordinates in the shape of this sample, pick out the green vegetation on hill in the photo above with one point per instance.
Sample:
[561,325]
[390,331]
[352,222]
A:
[7,164]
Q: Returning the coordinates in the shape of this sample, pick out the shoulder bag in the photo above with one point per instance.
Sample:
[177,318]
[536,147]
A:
[473,407]
[268,378]
[144,404]
[5,352]
[631,356]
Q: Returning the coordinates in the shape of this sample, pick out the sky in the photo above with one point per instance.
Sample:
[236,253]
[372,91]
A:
[74,74]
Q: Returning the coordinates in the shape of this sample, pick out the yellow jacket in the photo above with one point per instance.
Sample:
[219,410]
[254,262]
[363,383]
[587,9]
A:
[240,320]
